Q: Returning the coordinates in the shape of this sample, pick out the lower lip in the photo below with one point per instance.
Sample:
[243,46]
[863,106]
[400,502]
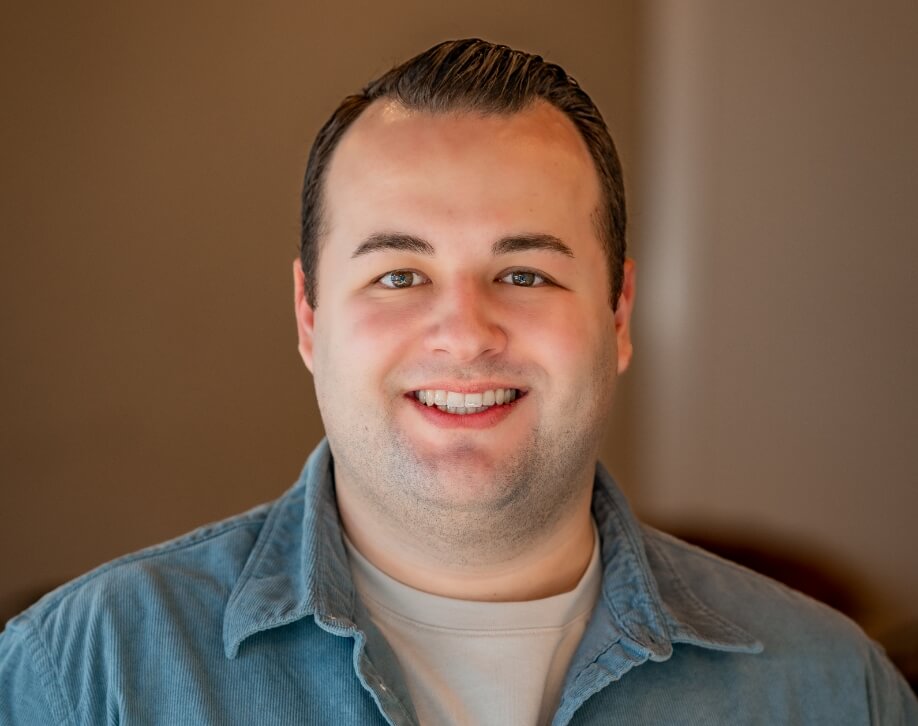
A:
[483,420]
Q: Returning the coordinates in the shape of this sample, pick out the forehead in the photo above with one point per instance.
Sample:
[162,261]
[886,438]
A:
[396,162]
[389,128]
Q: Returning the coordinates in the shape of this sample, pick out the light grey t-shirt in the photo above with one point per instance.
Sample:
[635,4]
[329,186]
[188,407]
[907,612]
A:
[469,662]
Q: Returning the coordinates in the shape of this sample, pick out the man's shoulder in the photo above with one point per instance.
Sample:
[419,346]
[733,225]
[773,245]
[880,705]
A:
[813,660]
[161,604]
[206,559]
[784,620]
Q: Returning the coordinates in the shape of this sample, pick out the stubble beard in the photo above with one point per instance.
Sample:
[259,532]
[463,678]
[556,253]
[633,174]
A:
[459,510]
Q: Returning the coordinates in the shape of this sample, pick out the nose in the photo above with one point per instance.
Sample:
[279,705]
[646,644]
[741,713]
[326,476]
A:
[465,323]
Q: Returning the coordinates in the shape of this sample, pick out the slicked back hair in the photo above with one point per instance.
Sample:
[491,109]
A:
[476,76]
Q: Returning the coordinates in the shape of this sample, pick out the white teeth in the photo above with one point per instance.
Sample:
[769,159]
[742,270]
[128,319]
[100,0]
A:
[462,410]
[473,400]
[456,402]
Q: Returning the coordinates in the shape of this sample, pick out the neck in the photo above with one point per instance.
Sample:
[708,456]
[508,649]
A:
[548,565]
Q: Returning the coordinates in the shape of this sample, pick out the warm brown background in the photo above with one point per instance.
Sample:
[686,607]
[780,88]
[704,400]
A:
[151,160]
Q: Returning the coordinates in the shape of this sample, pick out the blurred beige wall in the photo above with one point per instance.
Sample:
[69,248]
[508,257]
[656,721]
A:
[776,395]
[152,156]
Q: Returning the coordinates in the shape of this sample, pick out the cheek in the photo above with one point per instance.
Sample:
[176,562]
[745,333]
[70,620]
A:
[563,330]
[576,345]
[370,339]
[383,322]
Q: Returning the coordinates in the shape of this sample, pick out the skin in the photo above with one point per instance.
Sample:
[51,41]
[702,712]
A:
[501,513]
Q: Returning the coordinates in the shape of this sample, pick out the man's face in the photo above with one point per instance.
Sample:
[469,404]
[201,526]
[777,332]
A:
[454,315]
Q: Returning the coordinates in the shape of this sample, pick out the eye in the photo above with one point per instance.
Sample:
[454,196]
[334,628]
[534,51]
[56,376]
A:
[399,279]
[526,278]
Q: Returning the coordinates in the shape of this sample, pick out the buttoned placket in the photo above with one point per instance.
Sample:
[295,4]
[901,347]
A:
[390,705]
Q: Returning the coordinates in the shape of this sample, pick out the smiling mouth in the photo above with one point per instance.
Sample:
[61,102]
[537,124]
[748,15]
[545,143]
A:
[462,404]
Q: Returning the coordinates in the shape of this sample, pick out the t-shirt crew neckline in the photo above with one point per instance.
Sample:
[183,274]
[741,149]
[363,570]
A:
[426,610]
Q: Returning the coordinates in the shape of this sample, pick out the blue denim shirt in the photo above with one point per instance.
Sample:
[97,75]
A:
[255,620]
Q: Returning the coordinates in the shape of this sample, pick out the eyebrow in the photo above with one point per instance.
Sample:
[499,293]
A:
[504,246]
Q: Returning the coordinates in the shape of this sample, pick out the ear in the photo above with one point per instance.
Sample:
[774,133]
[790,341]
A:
[305,315]
[623,317]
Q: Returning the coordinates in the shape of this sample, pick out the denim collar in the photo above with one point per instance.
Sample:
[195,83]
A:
[298,567]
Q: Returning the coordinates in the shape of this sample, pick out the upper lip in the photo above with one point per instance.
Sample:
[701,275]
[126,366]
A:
[466,387]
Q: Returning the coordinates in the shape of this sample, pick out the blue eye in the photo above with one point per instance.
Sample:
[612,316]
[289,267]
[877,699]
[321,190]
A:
[400,279]
[525,278]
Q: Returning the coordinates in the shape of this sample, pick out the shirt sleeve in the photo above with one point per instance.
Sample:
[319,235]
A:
[892,701]
[29,692]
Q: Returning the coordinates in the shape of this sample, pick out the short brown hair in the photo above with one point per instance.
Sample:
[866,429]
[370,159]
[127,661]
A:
[474,75]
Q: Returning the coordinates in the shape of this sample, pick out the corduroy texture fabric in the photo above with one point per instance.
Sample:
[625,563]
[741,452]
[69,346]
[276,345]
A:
[255,620]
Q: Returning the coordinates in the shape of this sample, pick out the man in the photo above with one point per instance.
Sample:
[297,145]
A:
[453,552]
